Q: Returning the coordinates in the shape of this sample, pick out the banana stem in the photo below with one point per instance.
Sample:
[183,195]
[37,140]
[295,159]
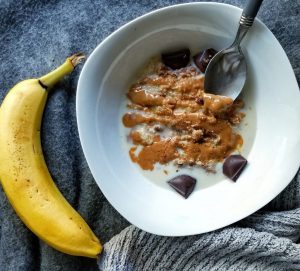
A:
[50,79]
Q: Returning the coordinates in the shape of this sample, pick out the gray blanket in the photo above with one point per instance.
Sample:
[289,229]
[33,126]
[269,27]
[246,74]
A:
[37,35]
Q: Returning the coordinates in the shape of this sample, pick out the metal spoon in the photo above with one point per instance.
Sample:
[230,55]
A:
[226,73]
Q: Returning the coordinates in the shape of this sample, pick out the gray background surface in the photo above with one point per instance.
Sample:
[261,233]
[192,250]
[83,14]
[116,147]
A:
[36,36]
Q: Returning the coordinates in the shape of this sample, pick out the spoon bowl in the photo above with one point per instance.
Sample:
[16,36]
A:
[226,73]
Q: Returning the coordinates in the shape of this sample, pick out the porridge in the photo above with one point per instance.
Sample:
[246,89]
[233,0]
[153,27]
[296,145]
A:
[172,119]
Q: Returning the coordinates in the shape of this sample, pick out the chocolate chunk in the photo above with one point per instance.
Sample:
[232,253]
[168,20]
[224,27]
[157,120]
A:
[176,60]
[233,166]
[203,58]
[183,184]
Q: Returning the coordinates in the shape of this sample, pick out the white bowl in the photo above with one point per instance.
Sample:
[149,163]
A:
[272,143]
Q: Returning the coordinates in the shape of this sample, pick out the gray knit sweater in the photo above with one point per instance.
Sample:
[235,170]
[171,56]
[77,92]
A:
[35,36]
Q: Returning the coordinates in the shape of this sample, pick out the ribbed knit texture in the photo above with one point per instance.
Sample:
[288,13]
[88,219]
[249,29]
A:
[36,36]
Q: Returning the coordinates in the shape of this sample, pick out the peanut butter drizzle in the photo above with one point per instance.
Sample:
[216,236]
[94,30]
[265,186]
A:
[132,155]
[200,123]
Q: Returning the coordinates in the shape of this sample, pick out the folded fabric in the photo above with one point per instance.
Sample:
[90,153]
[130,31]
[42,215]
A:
[232,248]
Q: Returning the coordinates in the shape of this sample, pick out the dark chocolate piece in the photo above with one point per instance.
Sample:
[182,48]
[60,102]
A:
[233,166]
[183,184]
[176,60]
[203,58]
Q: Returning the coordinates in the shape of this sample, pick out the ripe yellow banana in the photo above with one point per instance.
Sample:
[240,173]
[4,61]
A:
[24,174]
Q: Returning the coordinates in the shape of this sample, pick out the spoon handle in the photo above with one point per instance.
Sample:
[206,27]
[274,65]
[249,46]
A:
[250,11]
[246,20]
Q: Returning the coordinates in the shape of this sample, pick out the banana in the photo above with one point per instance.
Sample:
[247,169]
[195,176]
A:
[24,174]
